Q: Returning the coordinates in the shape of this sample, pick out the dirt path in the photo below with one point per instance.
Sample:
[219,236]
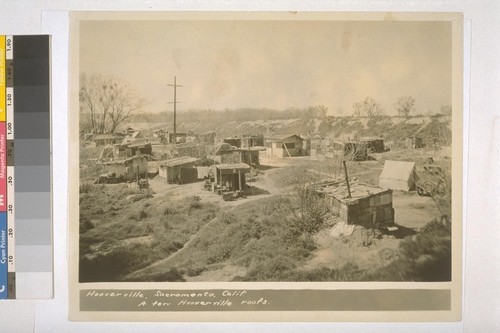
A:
[265,187]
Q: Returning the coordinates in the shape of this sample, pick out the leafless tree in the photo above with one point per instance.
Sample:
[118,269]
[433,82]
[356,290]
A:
[369,108]
[405,105]
[358,109]
[105,103]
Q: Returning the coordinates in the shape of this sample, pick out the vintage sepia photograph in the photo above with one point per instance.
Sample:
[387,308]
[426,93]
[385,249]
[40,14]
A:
[292,149]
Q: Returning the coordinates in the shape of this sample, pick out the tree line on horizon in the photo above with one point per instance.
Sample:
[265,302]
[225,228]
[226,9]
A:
[106,102]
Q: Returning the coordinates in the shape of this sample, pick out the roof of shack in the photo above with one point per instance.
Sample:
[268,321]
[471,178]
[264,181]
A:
[338,189]
[179,161]
[232,166]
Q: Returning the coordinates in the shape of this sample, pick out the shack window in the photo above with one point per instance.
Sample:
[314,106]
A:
[290,145]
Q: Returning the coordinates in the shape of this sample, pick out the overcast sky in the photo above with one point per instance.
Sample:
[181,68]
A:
[274,64]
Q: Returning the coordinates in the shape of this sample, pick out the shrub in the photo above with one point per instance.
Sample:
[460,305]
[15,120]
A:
[85,188]
[85,224]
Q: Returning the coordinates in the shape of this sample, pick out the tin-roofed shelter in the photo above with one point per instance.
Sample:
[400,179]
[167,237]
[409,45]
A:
[398,175]
[179,170]
[231,177]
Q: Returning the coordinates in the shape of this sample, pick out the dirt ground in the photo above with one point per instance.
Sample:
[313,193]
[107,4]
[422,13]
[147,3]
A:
[411,211]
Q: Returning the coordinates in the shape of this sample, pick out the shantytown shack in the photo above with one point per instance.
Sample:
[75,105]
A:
[179,170]
[128,169]
[231,177]
[285,145]
[368,206]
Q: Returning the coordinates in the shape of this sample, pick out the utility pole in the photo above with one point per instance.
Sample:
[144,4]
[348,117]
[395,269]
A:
[175,85]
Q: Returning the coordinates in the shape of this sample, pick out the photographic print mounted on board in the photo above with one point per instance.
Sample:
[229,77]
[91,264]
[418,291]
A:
[266,166]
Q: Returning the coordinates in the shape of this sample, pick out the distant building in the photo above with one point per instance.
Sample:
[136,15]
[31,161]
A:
[250,156]
[179,170]
[132,148]
[128,131]
[227,154]
[128,169]
[236,142]
[414,142]
[159,134]
[181,137]
[132,137]
[252,140]
[350,150]
[286,145]
[374,145]
[107,139]
[231,177]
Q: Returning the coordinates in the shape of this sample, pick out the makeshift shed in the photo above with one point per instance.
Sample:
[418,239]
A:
[374,145]
[128,169]
[368,206]
[236,142]
[231,177]
[350,150]
[107,139]
[286,145]
[253,140]
[179,170]
[250,155]
[414,142]
[398,175]
[226,153]
[180,137]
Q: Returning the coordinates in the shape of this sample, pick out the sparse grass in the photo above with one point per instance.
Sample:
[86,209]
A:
[257,235]
[107,218]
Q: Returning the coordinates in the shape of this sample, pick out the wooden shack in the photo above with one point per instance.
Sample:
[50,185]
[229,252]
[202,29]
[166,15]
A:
[287,145]
[128,169]
[413,142]
[368,206]
[225,153]
[179,170]
[350,151]
[107,139]
[235,142]
[231,177]
[133,148]
[252,140]
[374,145]
[250,156]
[181,137]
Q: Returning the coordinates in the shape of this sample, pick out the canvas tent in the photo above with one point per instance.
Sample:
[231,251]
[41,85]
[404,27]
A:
[398,175]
